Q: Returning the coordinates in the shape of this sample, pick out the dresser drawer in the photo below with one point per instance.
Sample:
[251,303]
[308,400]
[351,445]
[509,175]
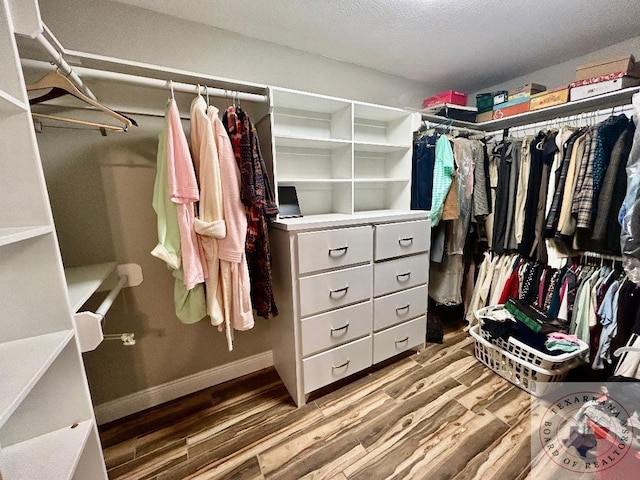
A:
[327,367]
[404,238]
[331,290]
[399,274]
[334,248]
[335,328]
[397,339]
[399,307]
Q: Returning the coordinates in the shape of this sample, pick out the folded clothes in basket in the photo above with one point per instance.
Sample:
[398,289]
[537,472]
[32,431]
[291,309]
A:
[532,317]
[495,329]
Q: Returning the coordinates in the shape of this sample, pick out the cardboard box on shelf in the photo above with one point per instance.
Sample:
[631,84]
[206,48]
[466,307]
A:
[626,63]
[526,90]
[484,117]
[486,101]
[513,107]
[450,96]
[593,89]
[455,112]
[549,98]
[601,78]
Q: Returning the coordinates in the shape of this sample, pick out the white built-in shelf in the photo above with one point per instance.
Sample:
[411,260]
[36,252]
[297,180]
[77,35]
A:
[29,359]
[382,180]
[309,142]
[379,147]
[287,181]
[53,455]
[18,234]
[606,100]
[82,282]
[10,104]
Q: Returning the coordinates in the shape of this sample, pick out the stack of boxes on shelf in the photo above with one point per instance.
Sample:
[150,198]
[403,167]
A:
[450,104]
[604,77]
[591,79]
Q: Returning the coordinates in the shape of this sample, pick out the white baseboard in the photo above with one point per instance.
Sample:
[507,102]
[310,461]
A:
[151,397]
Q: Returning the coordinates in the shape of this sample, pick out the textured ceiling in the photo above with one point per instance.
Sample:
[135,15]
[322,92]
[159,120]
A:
[453,43]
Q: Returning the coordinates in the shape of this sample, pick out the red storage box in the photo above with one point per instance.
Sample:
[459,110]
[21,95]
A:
[450,96]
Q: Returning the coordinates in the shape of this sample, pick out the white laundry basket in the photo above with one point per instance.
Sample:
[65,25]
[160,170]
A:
[521,350]
[533,379]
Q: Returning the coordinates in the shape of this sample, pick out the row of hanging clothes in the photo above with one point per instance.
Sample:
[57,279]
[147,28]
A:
[546,195]
[213,201]
[590,297]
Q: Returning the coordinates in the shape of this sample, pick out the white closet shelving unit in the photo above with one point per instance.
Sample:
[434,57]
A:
[47,425]
[343,157]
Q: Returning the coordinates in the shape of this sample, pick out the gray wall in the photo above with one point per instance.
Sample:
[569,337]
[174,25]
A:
[563,74]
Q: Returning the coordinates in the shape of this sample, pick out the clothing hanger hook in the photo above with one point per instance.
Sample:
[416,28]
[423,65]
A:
[206,91]
[171,88]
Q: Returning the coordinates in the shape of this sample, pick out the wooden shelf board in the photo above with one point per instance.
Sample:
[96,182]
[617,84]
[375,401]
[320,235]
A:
[310,142]
[364,147]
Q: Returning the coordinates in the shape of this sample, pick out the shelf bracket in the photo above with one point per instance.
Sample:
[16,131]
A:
[89,324]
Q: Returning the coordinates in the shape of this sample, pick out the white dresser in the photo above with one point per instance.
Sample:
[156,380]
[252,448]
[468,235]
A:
[352,292]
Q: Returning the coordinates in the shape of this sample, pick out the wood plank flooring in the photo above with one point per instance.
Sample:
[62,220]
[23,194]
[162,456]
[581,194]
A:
[437,414]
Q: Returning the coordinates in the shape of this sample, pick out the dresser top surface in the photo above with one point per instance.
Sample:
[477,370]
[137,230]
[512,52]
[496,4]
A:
[330,220]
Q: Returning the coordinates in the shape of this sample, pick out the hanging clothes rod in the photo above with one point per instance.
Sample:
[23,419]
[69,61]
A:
[52,47]
[578,119]
[154,82]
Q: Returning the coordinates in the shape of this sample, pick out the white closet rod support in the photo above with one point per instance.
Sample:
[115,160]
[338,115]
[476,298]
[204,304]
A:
[108,301]
[58,59]
[154,82]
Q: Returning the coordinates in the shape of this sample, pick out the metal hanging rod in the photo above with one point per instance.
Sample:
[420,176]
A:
[154,82]
[50,44]
[580,118]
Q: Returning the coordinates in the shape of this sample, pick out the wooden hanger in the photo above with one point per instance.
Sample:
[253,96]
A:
[61,85]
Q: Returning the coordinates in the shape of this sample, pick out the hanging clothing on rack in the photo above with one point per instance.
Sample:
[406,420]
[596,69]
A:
[423,160]
[190,304]
[234,270]
[259,201]
[442,173]
[209,224]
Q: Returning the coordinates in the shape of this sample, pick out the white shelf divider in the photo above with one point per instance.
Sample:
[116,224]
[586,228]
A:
[53,455]
[381,180]
[310,142]
[314,180]
[17,234]
[379,147]
[11,104]
[30,358]
[82,282]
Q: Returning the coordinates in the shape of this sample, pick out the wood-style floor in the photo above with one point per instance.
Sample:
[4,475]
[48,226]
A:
[435,414]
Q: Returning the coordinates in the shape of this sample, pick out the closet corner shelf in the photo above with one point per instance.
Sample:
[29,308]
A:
[57,453]
[82,282]
[10,104]
[607,100]
[30,358]
[17,234]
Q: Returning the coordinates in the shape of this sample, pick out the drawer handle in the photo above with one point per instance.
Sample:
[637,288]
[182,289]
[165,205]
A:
[400,309]
[342,290]
[406,241]
[403,277]
[342,250]
[344,327]
[402,340]
[334,367]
